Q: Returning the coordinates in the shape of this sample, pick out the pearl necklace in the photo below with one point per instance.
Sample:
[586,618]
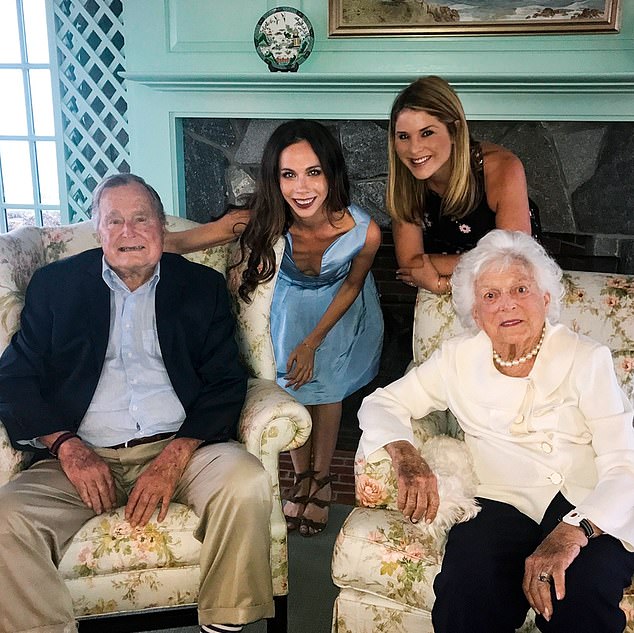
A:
[522,359]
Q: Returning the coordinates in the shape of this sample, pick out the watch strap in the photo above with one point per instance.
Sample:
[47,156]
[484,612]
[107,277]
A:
[587,528]
[579,520]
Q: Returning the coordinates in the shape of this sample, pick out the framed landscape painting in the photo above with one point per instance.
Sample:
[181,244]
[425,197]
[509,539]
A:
[471,17]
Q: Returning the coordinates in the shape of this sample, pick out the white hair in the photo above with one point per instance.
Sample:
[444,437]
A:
[501,249]
[120,180]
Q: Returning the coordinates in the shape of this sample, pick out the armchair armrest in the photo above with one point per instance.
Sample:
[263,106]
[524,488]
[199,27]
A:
[273,421]
[11,461]
[451,462]
[375,480]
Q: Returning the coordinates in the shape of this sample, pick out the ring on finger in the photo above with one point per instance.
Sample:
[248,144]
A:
[545,577]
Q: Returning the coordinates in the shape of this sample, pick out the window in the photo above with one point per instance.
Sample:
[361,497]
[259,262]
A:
[29,146]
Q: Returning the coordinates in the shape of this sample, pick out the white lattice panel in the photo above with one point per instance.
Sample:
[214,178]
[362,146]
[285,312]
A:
[89,39]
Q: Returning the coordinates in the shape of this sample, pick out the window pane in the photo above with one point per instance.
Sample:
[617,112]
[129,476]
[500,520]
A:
[16,172]
[42,98]
[51,218]
[17,218]
[12,106]
[47,172]
[35,26]
[9,42]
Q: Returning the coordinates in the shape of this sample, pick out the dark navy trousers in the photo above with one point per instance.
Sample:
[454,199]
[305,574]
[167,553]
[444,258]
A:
[479,588]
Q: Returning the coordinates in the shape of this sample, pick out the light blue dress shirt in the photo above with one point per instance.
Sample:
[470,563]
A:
[134,396]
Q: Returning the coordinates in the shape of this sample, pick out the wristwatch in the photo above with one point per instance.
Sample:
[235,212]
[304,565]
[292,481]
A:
[578,520]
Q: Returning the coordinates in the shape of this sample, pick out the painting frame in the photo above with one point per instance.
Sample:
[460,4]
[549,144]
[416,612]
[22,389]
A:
[377,25]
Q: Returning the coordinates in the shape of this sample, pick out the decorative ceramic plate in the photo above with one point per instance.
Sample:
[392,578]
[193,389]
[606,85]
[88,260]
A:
[284,38]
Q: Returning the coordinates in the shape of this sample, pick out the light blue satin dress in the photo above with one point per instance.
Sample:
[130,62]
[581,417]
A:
[348,358]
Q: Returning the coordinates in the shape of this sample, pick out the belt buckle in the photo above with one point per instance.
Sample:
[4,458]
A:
[125,444]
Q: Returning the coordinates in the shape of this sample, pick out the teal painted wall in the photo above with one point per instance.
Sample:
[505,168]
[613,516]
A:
[195,58]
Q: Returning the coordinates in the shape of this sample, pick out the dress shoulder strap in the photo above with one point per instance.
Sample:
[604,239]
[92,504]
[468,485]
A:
[477,159]
[360,216]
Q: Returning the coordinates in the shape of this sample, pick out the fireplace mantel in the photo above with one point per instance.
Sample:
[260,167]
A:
[620,83]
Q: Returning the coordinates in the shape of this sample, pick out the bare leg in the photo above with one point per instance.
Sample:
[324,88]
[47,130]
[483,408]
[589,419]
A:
[301,458]
[326,420]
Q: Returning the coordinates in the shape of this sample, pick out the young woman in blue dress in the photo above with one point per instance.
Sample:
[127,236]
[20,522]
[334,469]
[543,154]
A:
[445,190]
[326,321]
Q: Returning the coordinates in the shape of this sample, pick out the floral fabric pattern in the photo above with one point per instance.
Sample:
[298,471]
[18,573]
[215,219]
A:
[254,333]
[382,564]
[110,567]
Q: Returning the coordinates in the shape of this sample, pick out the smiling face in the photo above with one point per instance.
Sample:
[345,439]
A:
[130,232]
[510,308]
[302,181]
[423,144]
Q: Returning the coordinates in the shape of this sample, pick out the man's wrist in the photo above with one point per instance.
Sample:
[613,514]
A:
[53,449]
[182,448]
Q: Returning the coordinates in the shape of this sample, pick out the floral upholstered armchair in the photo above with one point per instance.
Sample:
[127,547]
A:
[110,567]
[384,565]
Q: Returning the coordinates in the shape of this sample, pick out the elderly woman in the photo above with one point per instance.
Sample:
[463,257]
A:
[550,432]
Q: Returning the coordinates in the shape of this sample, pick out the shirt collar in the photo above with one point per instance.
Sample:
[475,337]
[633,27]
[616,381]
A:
[114,282]
[475,368]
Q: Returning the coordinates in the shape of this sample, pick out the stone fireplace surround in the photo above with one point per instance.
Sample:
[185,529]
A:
[579,174]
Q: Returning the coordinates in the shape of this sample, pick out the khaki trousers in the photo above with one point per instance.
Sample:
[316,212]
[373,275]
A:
[40,511]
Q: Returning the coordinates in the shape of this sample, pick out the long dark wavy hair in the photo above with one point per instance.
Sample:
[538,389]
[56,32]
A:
[272,215]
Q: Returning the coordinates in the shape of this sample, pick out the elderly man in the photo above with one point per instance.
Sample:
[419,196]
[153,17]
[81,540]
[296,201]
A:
[126,370]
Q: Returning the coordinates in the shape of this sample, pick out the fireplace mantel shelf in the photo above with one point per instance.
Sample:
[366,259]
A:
[622,83]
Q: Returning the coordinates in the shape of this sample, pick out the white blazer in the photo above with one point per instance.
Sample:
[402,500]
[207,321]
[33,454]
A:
[566,427]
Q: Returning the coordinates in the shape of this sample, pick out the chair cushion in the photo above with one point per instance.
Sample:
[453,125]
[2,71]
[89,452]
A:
[108,543]
[359,612]
[111,567]
[380,553]
[134,591]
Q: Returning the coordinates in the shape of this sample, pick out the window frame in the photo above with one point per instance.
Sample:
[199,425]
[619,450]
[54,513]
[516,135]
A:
[24,66]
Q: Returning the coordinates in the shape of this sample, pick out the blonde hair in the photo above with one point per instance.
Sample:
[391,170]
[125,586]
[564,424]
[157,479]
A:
[405,196]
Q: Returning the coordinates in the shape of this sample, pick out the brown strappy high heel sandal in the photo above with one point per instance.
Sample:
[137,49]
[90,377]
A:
[308,527]
[292,496]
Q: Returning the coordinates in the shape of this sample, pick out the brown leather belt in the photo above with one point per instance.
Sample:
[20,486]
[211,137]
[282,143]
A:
[136,441]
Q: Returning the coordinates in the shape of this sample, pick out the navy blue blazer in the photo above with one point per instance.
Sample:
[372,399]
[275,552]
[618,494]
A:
[50,370]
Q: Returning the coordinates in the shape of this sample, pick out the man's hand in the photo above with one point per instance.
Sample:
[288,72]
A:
[550,561]
[157,483]
[89,473]
[417,486]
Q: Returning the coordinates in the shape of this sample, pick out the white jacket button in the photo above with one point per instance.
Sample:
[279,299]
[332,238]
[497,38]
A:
[555,478]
